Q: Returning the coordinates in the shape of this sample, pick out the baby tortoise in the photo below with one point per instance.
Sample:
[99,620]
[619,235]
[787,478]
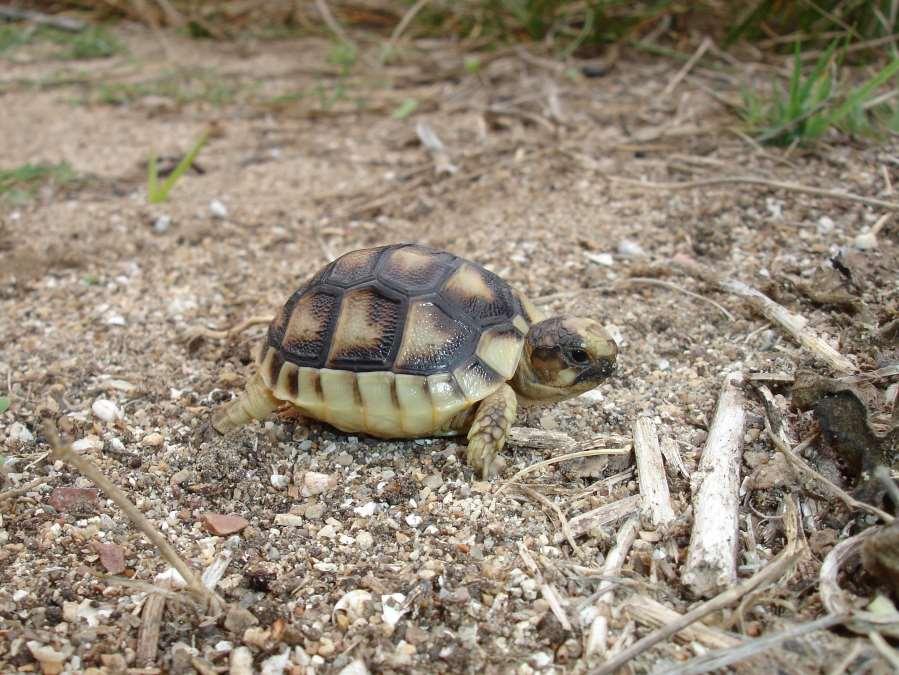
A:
[405,341]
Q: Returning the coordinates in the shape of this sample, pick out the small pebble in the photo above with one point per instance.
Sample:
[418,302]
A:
[221,524]
[866,241]
[288,520]
[106,410]
[112,556]
[218,210]
[19,432]
[87,443]
[161,224]
[153,440]
[364,540]
[344,459]
[65,499]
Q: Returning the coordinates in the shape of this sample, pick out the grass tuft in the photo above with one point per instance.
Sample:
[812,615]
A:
[20,183]
[819,100]
[94,42]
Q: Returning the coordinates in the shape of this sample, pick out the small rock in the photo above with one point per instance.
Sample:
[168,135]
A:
[153,440]
[279,481]
[356,667]
[344,459]
[170,579]
[67,499]
[825,225]
[19,432]
[364,540]
[366,510]
[288,520]
[238,619]
[316,483]
[256,636]
[866,241]
[112,556]
[223,525]
[355,603]
[106,410]
[51,660]
[604,259]
[325,647]
[630,249]
[434,481]
[275,665]
[218,209]
[161,224]
[87,443]
[315,511]
[241,662]
[413,520]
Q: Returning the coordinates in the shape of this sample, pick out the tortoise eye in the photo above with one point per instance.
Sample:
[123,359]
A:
[579,356]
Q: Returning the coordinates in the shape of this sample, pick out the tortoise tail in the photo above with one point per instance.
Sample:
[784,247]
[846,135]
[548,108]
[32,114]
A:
[255,403]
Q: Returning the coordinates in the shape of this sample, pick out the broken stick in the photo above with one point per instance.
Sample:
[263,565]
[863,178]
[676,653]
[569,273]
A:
[654,495]
[712,557]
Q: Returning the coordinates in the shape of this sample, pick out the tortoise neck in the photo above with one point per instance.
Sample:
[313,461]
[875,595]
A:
[529,389]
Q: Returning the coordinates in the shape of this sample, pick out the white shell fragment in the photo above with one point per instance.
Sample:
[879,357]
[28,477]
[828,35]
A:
[392,608]
[353,603]
[106,410]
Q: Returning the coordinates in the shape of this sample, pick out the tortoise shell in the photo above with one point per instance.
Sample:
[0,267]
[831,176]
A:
[394,341]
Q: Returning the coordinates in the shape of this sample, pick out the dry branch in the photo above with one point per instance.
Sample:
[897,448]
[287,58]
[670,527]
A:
[838,601]
[647,611]
[764,182]
[23,489]
[148,636]
[654,495]
[712,557]
[603,515]
[767,575]
[795,324]
[140,521]
[747,650]
[596,638]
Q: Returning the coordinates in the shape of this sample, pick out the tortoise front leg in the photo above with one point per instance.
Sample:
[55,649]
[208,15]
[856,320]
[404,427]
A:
[487,434]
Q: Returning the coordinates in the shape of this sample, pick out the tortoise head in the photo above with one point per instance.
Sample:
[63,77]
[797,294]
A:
[564,357]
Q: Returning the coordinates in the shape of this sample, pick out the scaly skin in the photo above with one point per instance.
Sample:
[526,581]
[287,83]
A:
[487,433]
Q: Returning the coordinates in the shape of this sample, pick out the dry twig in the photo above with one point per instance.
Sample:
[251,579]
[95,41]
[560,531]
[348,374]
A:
[767,575]
[92,472]
[711,560]
[21,490]
[801,465]
[795,324]
[754,180]
[655,497]
[211,334]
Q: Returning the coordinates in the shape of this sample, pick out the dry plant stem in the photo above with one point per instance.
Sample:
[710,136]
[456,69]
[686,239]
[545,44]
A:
[563,521]
[402,26]
[650,612]
[148,636]
[747,650]
[603,515]
[28,487]
[331,22]
[549,592]
[712,556]
[564,458]
[92,472]
[234,330]
[767,575]
[754,180]
[687,67]
[58,22]
[794,324]
[654,494]
[627,534]
[801,465]
[775,415]
[838,601]
[886,651]
[526,437]
[847,660]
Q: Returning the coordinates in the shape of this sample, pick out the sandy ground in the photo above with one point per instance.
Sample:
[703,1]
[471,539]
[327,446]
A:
[99,292]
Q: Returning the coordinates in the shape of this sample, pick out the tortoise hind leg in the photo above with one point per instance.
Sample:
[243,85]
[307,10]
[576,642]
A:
[255,403]
[487,434]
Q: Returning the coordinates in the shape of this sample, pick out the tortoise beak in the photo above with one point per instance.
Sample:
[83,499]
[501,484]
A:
[605,355]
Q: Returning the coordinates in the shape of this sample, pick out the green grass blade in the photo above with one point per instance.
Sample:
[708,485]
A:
[4,404]
[861,93]
[161,193]
[152,177]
